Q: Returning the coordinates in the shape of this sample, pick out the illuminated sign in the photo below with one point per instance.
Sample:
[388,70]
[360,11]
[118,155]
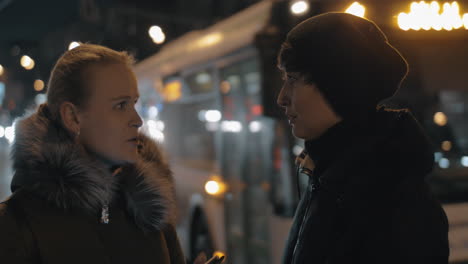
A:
[429,16]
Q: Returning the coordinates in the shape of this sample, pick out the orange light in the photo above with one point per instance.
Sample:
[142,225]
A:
[225,87]
[447,145]
[38,85]
[440,119]
[172,91]
[215,186]
[427,16]
[356,9]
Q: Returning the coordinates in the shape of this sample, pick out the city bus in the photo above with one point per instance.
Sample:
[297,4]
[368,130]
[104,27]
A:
[209,98]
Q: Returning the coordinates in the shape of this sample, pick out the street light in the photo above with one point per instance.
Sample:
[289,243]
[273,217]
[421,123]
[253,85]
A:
[73,45]
[157,34]
[356,9]
[38,85]
[27,62]
[299,7]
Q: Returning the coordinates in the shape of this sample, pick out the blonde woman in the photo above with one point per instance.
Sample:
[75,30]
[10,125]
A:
[88,188]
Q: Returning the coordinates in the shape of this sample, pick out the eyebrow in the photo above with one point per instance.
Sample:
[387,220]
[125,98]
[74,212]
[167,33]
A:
[124,97]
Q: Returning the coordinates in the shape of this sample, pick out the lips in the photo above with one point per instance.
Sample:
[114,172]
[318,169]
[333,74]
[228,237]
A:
[134,142]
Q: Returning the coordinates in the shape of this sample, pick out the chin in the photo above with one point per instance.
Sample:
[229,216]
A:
[130,158]
[299,133]
[124,158]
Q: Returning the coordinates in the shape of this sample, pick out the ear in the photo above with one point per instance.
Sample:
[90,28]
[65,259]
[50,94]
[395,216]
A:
[70,118]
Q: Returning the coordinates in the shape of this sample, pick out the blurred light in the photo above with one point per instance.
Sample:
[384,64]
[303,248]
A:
[156,134]
[38,85]
[427,16]
[231,126]
[437,156]
[157,34]
[1,70]
[440,119]
[297,150]
[225,87]
[27,62]
[210,40]
[212,126]
[203,78]
[73,45]
[257,110]
[212,187]
[151,124]
[10,133]
[2,131]
[447,145]
[172,91]
[299,7]
[215,187]
[444,163]
[40,99]
[154,131]
[2,91]
[212,115]
[160,125]
[356,9]
[255,126]
[219,254]
[202,115]
[465,20]
[153,112]
[464,161]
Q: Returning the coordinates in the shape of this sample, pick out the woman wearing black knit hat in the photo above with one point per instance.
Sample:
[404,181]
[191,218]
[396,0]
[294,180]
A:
[367,200]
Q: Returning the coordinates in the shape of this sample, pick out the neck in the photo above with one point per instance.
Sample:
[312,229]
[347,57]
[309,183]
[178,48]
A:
[326,148]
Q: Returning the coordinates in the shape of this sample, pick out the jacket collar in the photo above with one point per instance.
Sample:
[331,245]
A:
[50,165]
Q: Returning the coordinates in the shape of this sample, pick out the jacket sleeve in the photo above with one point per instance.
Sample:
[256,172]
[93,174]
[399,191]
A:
[13,242]
[173,245]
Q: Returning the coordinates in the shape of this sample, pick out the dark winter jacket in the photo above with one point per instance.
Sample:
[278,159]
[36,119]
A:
[56,212]
[367,200]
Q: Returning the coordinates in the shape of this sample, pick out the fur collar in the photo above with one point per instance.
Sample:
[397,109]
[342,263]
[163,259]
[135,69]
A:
[49,164]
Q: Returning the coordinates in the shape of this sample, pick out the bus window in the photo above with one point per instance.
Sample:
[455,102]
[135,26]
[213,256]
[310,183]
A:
[190,121]
[447,124]
[200,82]
[247,138]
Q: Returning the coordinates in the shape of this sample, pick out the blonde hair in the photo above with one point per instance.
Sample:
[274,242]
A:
[67,79]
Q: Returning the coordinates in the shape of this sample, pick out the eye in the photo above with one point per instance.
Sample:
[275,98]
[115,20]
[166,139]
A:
[121,105]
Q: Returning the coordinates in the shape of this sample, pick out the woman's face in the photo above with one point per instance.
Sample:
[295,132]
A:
[109,123]
[307,110]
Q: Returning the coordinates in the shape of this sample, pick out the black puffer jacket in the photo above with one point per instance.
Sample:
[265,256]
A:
[367,201]
[56,213]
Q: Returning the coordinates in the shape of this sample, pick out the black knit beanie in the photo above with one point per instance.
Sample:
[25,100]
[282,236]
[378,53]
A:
[348,57]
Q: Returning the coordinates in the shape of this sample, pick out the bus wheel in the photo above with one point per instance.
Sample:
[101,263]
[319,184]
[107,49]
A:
[200,240]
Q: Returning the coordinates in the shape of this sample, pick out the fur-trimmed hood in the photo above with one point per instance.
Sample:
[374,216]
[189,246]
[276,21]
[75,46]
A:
[49,164]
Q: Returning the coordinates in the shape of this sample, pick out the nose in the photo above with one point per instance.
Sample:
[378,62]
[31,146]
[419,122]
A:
[136,120]
[283,98]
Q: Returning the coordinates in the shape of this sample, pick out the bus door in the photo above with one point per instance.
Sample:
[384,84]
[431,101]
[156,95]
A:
[246,140]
